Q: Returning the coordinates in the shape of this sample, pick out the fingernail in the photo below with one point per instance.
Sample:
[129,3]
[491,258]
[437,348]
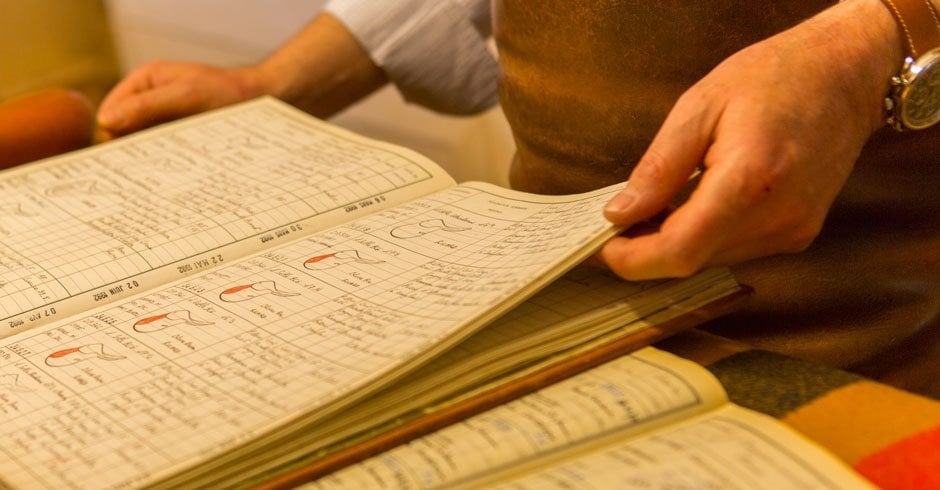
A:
[620,203]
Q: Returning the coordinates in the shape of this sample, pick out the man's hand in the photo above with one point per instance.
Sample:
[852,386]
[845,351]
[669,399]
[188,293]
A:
[321,70]
[163,91]
[778,127]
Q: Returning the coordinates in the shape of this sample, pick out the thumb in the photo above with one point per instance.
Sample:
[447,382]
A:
[677,149]
[147,108]
[111,113]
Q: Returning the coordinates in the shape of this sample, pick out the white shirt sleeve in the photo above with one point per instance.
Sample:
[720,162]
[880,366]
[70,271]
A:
[434,51]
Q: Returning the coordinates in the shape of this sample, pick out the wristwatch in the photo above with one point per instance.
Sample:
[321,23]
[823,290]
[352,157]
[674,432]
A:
[914,99]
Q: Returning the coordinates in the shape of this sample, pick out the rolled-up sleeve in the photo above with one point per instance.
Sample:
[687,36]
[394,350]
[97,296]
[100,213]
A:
[434,51]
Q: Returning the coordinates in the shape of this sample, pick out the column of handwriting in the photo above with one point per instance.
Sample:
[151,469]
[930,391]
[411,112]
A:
[132,206]
[713,452]
[112,398]
[295,328]
[582,290]
[626,392]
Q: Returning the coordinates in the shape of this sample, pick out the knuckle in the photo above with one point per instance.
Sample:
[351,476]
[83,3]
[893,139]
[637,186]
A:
[681,258]
[696,94]
[651,168]
[802,236]
[759,184]
[684,265]
[763,175]
[792,230]
[153,66]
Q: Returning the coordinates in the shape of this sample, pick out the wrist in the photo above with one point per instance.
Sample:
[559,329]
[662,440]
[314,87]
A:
[267,78]
[877,53]
[255,81]
[322,70]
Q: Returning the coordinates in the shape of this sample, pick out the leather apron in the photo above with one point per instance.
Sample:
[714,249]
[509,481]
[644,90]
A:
[585,86]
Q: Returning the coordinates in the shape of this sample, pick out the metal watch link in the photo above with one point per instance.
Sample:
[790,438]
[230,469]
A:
[914,99]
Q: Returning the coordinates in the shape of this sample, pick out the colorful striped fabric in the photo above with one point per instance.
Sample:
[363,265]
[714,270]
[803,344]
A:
[889,436]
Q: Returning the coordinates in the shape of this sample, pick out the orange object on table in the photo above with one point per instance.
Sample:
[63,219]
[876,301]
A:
[42,124]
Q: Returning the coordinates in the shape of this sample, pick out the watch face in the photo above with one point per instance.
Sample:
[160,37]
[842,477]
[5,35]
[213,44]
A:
[920,100]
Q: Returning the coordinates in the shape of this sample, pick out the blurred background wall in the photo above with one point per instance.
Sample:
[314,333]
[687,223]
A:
[62,43]
[235,32]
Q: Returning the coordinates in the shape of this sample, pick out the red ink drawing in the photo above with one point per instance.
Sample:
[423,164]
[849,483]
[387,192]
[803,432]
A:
[67,357]
[159,322]
[328,261]
[253,290]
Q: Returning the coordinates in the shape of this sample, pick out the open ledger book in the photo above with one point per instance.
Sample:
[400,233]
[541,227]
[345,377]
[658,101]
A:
[646,420]
[225,297]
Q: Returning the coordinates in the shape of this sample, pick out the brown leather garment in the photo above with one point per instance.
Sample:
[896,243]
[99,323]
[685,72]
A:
[585,86]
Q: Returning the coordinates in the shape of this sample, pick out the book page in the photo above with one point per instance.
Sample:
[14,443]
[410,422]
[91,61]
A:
[630,394]
[731,447]
[107,222]
[237,360]
[581,305]
[520,346]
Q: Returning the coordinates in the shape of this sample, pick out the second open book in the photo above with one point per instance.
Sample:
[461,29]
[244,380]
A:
[226,296]
[648,420]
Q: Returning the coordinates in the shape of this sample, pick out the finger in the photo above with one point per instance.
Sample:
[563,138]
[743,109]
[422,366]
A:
[669,252]
[148,108]
[714,224]
[664,169]
[110,113]
[102,135]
